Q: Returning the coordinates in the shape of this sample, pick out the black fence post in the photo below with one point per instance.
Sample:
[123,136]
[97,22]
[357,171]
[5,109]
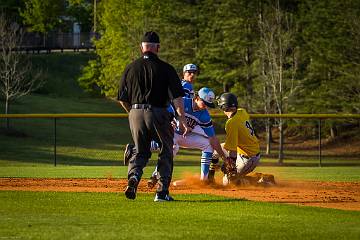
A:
[55,142]
[320,143]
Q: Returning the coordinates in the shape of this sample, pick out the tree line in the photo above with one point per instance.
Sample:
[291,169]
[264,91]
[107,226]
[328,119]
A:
[277,55]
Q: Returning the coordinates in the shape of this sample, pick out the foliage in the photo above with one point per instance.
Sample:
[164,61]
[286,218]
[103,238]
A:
[223,38]
[10,8]
[82,12]
[52,15]
[329,44]
[227,46]
[42,16]
[321,50]
[87,80]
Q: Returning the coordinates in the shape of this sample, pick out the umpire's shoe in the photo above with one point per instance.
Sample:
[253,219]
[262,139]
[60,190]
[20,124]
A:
[128,153]
[130,191]
[159,197]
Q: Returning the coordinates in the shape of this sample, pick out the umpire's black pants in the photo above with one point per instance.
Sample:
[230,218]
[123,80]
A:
[145,125]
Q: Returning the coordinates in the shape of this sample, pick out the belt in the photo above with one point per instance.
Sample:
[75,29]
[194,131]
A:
[141,106]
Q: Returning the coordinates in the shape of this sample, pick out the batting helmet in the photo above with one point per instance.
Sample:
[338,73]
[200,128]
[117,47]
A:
[190,67]
[207,96]
[227,100]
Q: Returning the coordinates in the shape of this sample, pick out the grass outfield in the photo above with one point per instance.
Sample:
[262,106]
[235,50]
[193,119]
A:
[55,215]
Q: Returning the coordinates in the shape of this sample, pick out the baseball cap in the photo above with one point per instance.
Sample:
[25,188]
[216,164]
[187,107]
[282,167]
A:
[207,96]
[151,37]
[190,67]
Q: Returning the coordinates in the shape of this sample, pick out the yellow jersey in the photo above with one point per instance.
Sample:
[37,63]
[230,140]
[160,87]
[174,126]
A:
[240,135]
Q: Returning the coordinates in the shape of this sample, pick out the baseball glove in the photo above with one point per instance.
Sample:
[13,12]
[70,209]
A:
[229,166]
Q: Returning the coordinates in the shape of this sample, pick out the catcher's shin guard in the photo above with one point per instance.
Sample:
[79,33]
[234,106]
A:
[213,166]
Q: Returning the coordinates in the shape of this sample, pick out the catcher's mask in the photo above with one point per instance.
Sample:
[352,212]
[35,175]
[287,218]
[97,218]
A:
[227,100]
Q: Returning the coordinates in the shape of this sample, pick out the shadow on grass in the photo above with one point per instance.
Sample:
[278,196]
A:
[36,156]
[26,150]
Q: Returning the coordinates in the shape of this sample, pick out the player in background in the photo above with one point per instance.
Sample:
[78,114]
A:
[190,72]
[241,144]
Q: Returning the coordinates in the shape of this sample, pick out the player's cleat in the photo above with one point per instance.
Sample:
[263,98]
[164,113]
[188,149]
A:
[178,183]
[163,198]
[226,180]
[130,191]
[128,153]
[265,182]
[152,182]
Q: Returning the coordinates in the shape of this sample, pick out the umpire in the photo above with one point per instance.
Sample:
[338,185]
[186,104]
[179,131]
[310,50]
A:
[147,86]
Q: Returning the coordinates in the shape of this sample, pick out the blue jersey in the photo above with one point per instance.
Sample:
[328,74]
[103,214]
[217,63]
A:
[189,93]
[188,89]
[197,117]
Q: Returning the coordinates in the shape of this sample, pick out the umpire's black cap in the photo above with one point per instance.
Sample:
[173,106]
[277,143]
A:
[151,37]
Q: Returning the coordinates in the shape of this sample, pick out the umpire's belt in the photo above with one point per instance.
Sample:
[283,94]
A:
[141,106]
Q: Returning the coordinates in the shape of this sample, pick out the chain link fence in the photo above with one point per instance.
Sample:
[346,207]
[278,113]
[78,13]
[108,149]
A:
[100,139]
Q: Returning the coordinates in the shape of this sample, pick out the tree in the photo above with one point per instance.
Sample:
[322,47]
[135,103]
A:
[42,16]
[121,28]
[82,12]
[329,41]
[16,76]
[279,63]
[122,24]
[228,39]
[10,8]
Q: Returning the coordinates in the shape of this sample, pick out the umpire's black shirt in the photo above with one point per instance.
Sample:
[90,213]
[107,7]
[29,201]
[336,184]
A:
[149,80]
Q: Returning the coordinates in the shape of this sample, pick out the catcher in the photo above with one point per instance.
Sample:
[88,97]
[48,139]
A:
[241,144]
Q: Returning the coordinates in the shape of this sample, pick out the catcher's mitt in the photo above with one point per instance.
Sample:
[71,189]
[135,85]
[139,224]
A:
[229,166]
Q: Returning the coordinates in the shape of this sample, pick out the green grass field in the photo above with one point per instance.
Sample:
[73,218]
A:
[51,215]
[93,148]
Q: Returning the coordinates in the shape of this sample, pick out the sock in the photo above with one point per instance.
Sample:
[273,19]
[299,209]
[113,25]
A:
[205,165]
[214,162]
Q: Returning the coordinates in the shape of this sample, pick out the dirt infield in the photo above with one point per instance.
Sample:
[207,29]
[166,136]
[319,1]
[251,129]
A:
[339,195]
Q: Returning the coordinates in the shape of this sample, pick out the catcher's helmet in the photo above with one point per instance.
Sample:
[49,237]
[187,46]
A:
[227,100]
